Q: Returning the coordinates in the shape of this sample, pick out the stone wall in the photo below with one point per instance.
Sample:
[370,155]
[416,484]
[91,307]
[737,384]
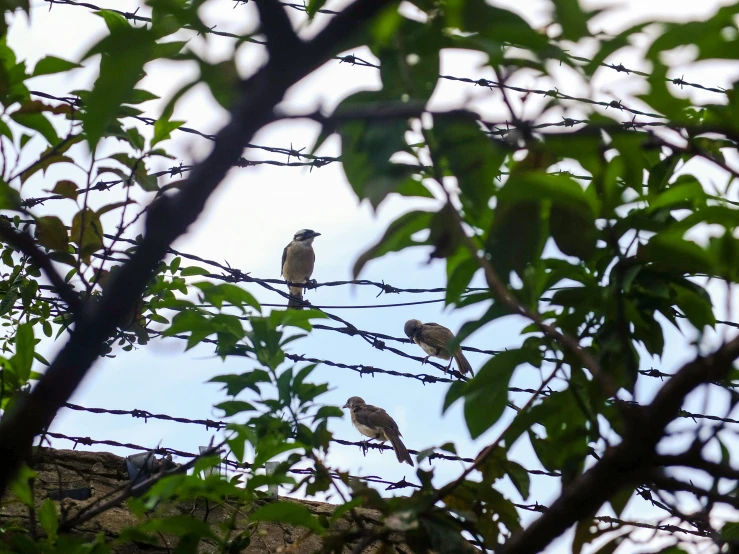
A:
[83,478]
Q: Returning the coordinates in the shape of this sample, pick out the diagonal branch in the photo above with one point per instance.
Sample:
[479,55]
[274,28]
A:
[166,221]
[630,461]
[282,42]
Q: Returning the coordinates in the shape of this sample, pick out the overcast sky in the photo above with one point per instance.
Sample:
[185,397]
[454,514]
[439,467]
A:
[255,212]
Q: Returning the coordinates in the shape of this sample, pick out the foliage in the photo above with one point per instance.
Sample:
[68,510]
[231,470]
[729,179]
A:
[602,230]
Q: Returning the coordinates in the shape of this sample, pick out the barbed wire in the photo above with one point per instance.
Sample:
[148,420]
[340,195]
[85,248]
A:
[162,451]
[377,480]
[365,446]
[297,7]
[354,60]
[379,339]
[376,339]
[136,18]
[657,527]
[146,415]
[500,129]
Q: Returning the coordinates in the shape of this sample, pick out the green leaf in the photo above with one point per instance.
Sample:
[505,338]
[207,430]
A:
[524,221]
[234,384]
[460,269]
[496,24]
[455,392]
[10,199]
[233,407]
[620,499]
[67,189]
[222,79]
[48,518]
[730,531]
[52,64]
[139,96]
[611,46]
[39,123]
[367,146]
[134,138]
[409,57]
[661,173]
[124,53]
[46,160]
[114,206]
[660,96]
[24,347]
[473,158]
[671,252]
[398,236]
[227,292]
[686,192]
[21,486]
[573,20]
[193,270]
[325,412]
[560,189]
[51,233]
[268,448]
[10,297]
[574,232]
[313,7]
[12,5]
[6,131]
[87,232]
[695,305]
[520,478]
[114,20]
[486,395]
[291,513]
[163,129]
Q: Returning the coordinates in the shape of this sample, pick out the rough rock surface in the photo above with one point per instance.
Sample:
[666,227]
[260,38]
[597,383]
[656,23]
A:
[102,472]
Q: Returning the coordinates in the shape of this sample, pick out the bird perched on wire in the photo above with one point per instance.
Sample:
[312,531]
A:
[298,259]
[435,340]
[377,424]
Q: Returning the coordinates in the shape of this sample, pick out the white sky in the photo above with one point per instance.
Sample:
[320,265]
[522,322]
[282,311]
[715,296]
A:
[256,211]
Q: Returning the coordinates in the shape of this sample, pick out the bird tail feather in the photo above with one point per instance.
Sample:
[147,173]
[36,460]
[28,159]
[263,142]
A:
[296,299]
[400,450]
[462,363]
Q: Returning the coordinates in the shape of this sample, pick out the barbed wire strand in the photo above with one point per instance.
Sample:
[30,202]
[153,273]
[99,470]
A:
[374,479]
[164,451]
[318,162]
[354,60]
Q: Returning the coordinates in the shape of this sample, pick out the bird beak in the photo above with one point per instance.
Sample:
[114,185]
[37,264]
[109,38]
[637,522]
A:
[316,234]
[346,405]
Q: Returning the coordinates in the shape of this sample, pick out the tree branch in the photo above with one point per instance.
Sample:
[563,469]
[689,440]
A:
[282,42]
[169,219]
[694,460]
[630,461]
[675,485]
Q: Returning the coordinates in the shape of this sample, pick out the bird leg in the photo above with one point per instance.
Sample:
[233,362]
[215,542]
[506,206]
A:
[426,359]
[449,367]
[311,284]
[365,445]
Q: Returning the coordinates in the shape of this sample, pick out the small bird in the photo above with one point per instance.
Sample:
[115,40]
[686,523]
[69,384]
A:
[298,260]
[376,423]
[435,339]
